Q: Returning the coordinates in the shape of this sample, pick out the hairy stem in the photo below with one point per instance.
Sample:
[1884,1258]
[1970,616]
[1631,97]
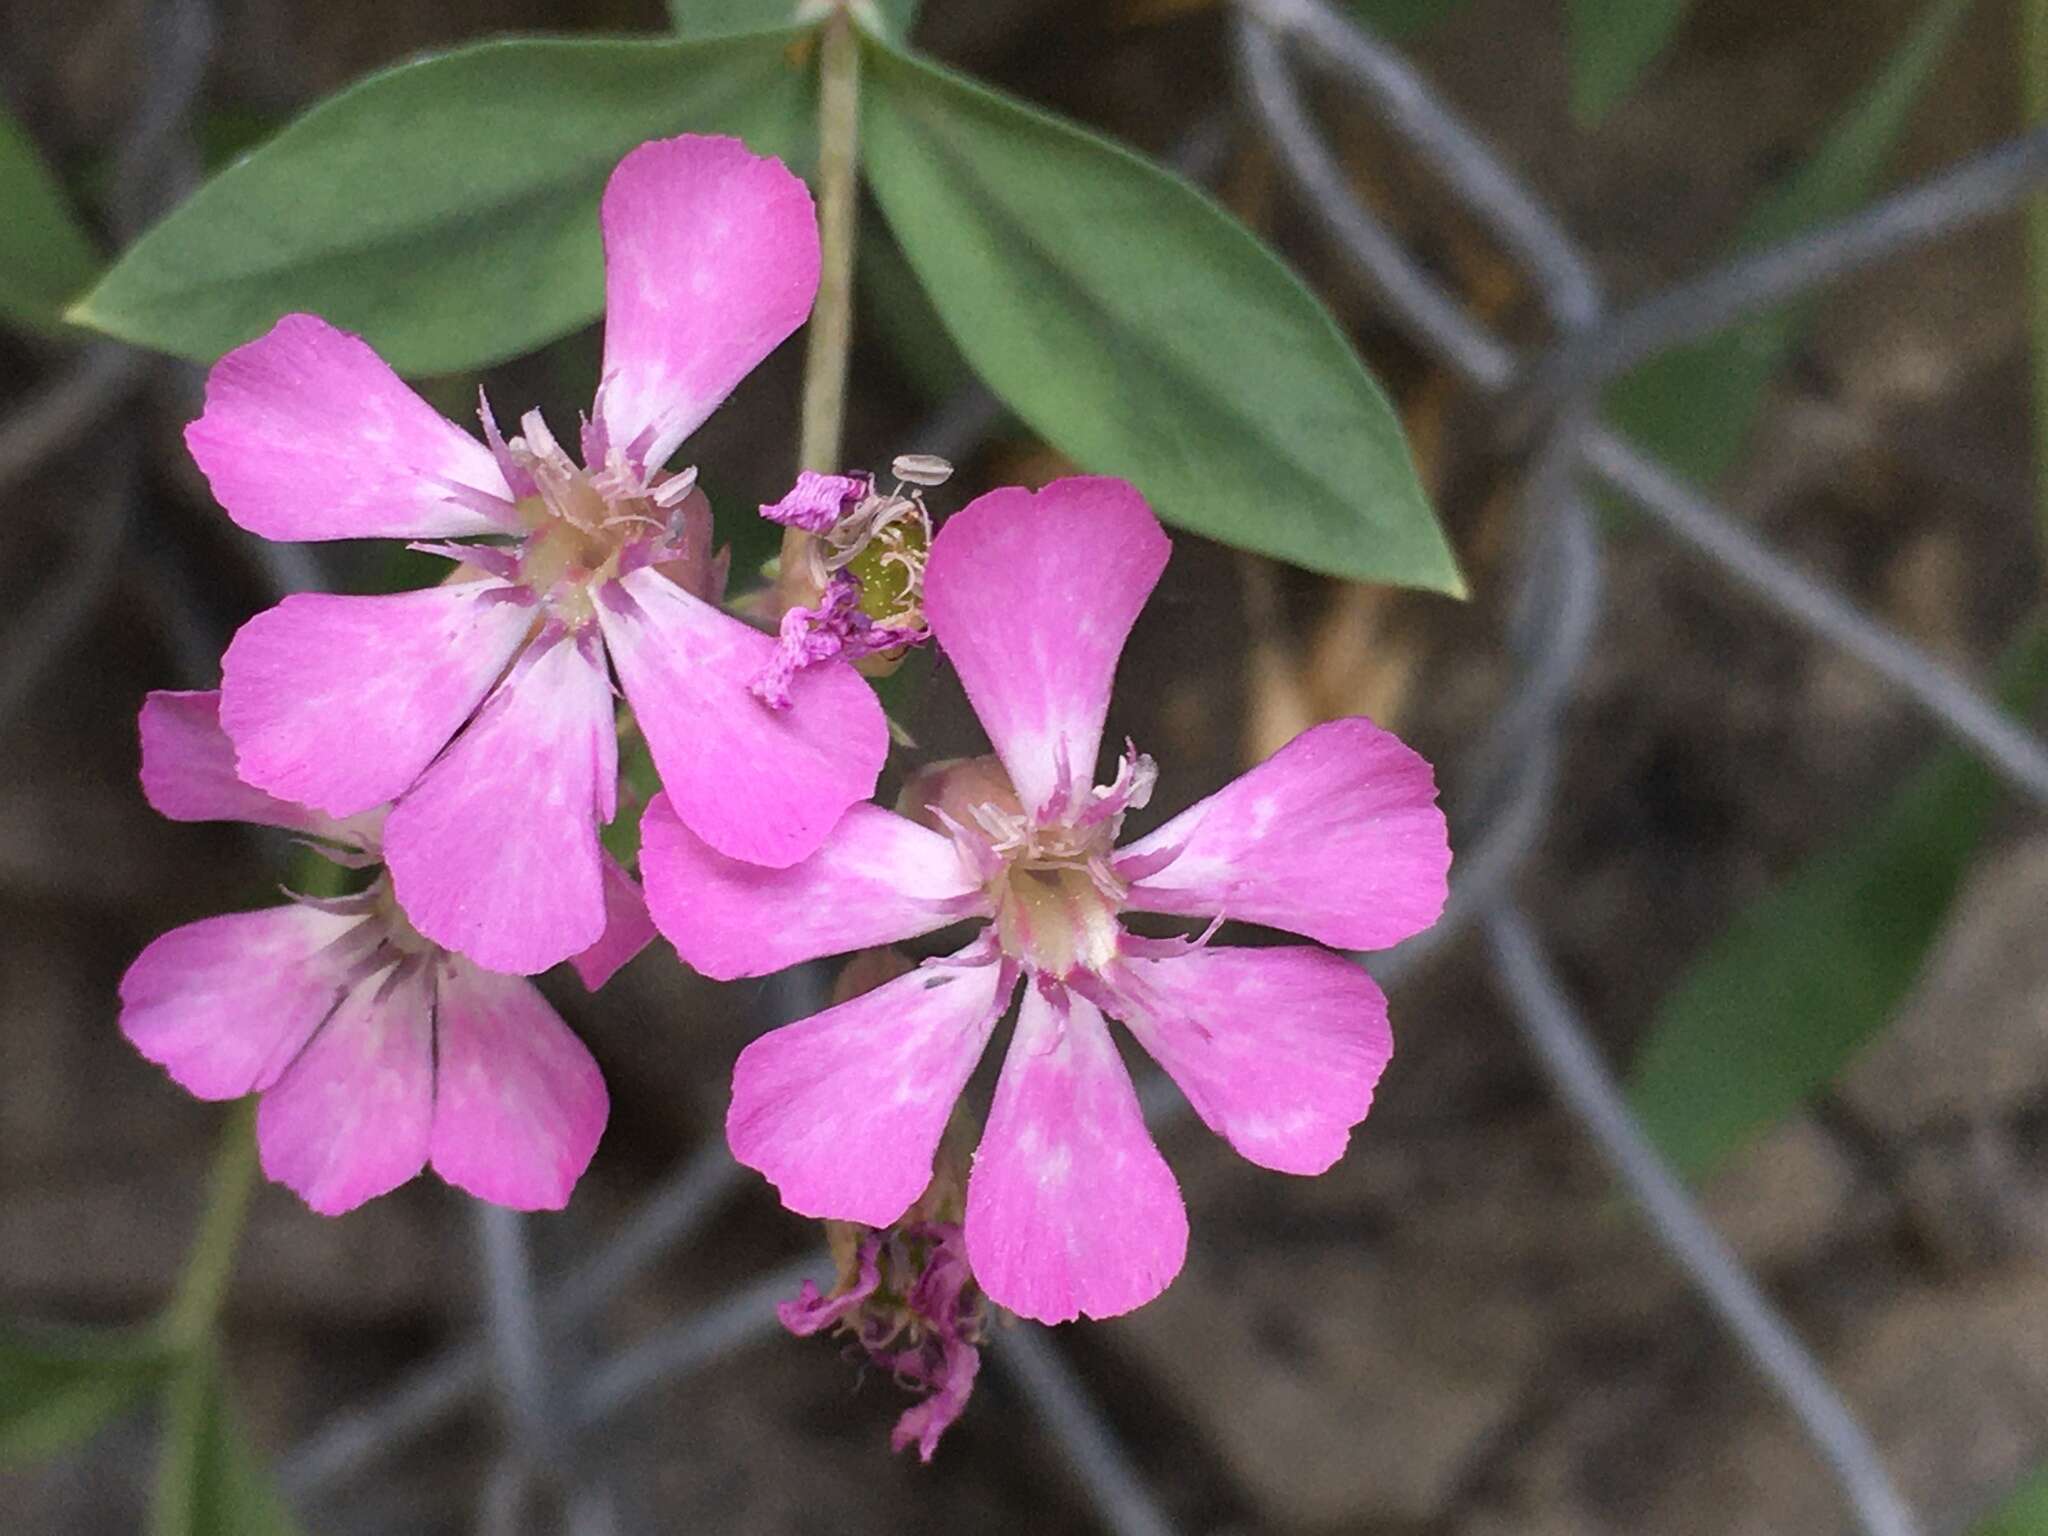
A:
[831,338]
[203,1286]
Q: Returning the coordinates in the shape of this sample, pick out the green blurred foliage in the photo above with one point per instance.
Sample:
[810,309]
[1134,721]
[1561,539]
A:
[1694,406]
[1805,977]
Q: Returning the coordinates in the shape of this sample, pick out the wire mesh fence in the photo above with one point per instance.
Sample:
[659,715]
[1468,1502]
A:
[527,1364]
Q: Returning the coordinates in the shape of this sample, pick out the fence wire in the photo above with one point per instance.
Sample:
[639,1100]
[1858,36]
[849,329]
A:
[1546,399]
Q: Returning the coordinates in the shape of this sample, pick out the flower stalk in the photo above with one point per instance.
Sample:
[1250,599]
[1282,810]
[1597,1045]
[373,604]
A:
[194,1310]
[831,338]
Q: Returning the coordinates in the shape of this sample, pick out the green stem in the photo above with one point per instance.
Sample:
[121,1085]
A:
[203,1287]
[831,335]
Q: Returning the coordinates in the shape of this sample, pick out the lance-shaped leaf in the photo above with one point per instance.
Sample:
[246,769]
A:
[445,209]
[1809,974]
[58,1385]
[46,260]
[1143,331]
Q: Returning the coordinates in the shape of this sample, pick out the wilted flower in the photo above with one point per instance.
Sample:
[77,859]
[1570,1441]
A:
[910,1302]
[865,559]
[376,1051]
[483,708]
[1070,1208]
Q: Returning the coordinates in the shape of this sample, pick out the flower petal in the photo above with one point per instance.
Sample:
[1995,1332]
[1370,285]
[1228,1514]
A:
[1031,597]
[710,262]
[223,1005]
[519,1104]
[1278,1050]
[308,434]
[843,1111]
[627,929]
[877,879]
[351,1118]
[759,784]
[494,852]
[188,771]
[1336,836]
[340,702]
[1070,1208]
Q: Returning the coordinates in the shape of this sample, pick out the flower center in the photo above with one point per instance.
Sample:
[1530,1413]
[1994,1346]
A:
[591,522]
[1049,876]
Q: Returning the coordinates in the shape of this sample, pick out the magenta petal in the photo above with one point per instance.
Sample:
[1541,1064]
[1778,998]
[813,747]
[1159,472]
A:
[758,784]
[518,1103]
[627,929]
[340,702]
[1336,836]
[1070,1208]
[922,1424]
[1278,1050]
[494,853]
[1031,597]
[843,1111]
[188,770]
[224,1005]
[308,434]
[351,1119]
[877,879]
[710,261]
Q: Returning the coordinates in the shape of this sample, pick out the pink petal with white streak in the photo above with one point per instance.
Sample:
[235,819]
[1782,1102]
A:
[759,784]
[352,1117]
[223,1005]
[1031,596]
[188,770]
[494,853]
[877,879]
[340,702]
[627,929]
[843,1111]
[1336,836]
[308,434]
[1071,1210]
[710,262]
[1278,1050]
[518,1103]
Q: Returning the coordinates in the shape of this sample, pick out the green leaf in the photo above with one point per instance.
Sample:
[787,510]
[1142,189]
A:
[1809,974]
[445,209]
[1143,331]
[46,260]
[58,1385]
[1694,406]
[2025,1513]
[1399,19]
[210,1481]
[1612,43]
[893,302]
[709,18]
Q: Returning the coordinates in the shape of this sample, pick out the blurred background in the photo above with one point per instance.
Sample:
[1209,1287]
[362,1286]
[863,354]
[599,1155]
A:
[1833,1000]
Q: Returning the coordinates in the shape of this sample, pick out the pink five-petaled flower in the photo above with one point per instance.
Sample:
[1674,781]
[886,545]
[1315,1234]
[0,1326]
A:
[345,703]
[1070,1208]
[375,1051]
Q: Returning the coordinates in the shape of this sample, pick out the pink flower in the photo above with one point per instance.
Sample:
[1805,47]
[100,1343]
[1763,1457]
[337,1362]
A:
[482,709]
[911,1303]
[1070,1208]
[376,1051]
